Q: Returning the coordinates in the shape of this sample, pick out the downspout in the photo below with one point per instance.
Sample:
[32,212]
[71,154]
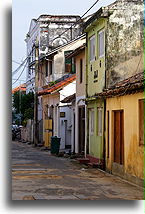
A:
[104,138]
[86,110]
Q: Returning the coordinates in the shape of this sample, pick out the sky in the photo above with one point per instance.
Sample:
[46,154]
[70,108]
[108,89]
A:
[25,10]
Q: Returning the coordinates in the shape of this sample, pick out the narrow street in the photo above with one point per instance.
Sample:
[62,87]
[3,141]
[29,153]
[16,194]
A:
[37,175]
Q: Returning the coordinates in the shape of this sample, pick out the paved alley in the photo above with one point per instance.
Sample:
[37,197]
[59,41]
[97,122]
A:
[38,175]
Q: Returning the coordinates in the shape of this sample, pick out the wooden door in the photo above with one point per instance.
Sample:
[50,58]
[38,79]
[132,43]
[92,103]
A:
[81,123]
[119,137]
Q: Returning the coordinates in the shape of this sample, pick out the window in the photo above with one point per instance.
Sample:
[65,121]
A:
[92,48]
[68,62]
[99,110]
[50,67]
[46,69]
[101,43]
[141,122]
[81,70]
[92,120]
[73,66]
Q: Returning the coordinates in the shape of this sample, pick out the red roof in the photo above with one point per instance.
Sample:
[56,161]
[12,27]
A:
[131,85]
[58,85]
[69,99]
[19,88]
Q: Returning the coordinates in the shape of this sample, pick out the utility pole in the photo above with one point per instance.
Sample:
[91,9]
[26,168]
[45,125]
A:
[20,102]
[36,94]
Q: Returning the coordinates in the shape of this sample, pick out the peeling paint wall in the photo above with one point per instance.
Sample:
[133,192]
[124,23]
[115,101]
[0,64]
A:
[132,169]
[58,68]
[124,40]
[48,30]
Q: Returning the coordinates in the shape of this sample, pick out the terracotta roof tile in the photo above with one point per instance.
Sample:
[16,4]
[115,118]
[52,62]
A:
[58,85]
[21,87]
[133,84]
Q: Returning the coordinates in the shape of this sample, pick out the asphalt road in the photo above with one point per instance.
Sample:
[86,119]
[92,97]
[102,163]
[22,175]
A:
[37,175]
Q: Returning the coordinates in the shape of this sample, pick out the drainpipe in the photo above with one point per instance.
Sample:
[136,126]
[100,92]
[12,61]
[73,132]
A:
[104,138]
[86,110]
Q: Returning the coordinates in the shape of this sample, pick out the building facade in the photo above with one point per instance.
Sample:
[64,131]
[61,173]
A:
[125,129]
[114,52]
[51,31]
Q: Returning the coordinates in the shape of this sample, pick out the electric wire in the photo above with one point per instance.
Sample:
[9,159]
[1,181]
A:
[76,21]
[14,72]
[21,73]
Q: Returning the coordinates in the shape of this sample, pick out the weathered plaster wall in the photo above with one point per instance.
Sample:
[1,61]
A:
[124,40]
[59,59]
[51,100]
[133,152]
[80,87]
[95,84]
[47,29]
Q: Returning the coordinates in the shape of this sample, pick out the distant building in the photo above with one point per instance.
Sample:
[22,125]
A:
[21,88]
[52,31]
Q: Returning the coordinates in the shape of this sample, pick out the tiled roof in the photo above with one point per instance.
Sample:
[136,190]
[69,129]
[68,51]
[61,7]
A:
[69,99]
[58,85]
[131,85]
[19,88]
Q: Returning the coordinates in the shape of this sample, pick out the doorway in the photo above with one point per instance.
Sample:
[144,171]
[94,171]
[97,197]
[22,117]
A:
[119,137]
[81,123]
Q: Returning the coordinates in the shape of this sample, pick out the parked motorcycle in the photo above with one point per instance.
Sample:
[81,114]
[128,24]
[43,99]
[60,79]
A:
[16,133]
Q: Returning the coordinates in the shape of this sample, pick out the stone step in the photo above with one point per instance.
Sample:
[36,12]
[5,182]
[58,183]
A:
[83,160]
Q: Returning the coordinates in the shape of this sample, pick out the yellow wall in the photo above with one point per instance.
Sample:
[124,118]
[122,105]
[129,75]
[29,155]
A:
[133,152]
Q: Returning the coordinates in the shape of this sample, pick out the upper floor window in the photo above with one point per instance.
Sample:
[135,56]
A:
[68,62]
[50,67]
[81,70]
[92,48]
[101,43]
[46,69]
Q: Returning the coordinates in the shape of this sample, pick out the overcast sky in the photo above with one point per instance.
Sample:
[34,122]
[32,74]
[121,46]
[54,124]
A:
[25,10]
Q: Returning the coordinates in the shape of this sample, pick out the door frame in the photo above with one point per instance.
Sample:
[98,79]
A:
[121,136]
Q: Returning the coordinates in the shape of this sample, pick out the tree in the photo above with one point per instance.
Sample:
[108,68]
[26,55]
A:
[24,104]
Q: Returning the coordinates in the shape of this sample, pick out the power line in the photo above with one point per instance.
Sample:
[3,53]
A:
[14,72]
[16,62]
[76,21]
[20,73]
[21,64]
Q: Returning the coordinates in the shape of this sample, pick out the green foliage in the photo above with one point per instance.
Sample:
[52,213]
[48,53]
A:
[52,83]
[29,113]
[24,104]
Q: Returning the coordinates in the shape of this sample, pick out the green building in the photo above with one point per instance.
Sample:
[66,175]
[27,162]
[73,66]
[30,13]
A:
[95,79]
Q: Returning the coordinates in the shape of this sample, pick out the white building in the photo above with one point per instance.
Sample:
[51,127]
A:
[49,30]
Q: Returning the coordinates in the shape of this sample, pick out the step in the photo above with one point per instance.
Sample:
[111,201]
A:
[83,160]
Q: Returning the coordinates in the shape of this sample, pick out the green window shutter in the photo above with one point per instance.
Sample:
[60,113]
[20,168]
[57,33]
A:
[68,62]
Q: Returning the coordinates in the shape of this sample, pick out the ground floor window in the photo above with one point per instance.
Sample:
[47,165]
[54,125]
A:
[92,121]
[99,113]
[141,122]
